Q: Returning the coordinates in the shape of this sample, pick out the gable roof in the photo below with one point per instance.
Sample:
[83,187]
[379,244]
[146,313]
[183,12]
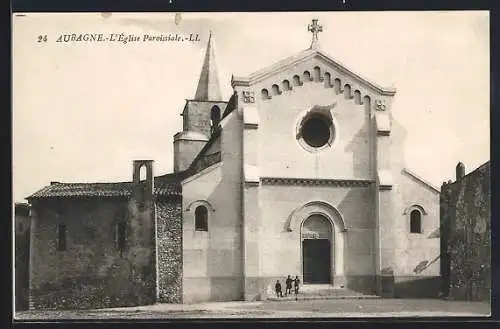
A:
[304,56]
[166,185]
[421,180]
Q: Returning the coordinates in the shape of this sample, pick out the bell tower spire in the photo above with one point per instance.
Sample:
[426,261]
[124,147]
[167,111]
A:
[208,85]
[201,116]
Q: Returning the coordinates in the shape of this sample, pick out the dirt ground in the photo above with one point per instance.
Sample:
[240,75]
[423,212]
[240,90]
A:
[288,309]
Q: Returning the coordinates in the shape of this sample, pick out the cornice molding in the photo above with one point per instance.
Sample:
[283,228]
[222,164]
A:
[316,182]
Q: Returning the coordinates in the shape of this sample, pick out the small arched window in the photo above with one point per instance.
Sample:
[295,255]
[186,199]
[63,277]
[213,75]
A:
[338,86]
[357,97]
[328,80]
[265,94]
[347,91]
[214,118]
[215,115]
[367,103]
[317,74]
[201,218]
[296,81]
[307,76]
[415,221]
[286,85]
[275,90]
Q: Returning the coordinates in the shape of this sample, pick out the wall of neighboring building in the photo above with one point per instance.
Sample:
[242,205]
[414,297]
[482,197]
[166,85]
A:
[212,259]
[22,242]
[91,272]
[466,231]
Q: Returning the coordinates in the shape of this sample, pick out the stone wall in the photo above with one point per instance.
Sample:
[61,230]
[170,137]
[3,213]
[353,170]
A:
[169,237]
[22,241]
[466,234]
[91,272]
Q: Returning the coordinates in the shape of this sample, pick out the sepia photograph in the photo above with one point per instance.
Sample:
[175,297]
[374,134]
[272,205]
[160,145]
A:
[266,165]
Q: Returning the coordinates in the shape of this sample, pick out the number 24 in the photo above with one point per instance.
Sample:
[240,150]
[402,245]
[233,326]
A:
[42,38]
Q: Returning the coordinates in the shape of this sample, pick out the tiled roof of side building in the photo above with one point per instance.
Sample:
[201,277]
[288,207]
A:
[166,185]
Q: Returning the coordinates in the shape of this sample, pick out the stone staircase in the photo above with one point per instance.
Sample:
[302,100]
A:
[320,291]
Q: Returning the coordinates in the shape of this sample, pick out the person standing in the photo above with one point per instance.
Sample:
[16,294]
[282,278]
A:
[277,287]
[296,284]
[289,285]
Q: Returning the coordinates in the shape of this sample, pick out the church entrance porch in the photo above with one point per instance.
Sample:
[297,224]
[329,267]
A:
[317,238]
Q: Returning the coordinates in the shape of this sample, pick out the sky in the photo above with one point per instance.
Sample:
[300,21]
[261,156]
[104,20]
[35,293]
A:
[82,112]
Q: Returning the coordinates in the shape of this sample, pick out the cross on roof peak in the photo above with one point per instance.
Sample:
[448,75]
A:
[315,28]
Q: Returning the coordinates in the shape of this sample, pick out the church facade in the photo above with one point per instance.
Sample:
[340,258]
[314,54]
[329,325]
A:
[300,172]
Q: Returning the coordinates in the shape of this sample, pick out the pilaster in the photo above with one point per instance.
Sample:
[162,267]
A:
[385,243]
[250,198]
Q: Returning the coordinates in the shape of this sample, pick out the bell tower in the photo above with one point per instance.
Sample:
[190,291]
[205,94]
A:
[200,115]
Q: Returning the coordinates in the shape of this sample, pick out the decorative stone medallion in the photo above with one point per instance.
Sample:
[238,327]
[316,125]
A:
[379,105]
[248,96]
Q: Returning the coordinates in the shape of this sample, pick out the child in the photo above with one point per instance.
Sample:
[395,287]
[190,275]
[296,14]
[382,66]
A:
[278,289]
[296,284]
[289,285]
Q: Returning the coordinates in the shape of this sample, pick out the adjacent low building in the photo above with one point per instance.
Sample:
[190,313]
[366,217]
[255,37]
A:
[22,248]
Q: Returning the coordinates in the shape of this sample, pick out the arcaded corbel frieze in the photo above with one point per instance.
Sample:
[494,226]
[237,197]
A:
[315,182]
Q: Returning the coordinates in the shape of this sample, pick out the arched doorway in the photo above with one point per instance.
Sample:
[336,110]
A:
[316,238]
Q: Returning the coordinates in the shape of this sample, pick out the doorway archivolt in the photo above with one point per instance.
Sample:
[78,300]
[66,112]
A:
[330,224]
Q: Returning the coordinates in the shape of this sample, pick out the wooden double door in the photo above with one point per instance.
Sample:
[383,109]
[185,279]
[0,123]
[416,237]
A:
[317,261]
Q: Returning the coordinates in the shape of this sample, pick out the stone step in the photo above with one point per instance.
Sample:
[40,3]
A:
[332,297]
[324,293]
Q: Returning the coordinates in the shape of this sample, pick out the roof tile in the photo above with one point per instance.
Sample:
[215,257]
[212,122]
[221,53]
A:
[166,185]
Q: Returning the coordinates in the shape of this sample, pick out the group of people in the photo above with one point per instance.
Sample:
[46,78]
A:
[288,283]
